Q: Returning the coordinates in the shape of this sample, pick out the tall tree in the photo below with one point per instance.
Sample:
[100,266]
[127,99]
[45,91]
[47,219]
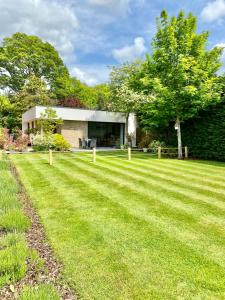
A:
[180,73]
[34,92]
[124,98]
[5,106]
[22,55]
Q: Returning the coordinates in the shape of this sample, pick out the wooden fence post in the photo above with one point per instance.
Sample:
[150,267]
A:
[159,152]
[50,157]
[186,151]
[129,153]
[94,154]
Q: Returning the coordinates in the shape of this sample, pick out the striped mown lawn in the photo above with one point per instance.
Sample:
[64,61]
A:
[140,229]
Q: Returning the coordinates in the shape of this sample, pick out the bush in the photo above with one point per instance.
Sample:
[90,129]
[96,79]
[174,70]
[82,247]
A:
[205,134]
[7,143]
[4,138]
[145,141]
[42,143]
[51,141]
[60,143]
[154,145]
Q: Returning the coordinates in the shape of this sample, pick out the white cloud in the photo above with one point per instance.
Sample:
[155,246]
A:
[53,21]
[91,75]
[213,11]
[116,6]
[129,53]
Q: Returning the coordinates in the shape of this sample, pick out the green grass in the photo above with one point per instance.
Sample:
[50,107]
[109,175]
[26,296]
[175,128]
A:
[14,251]
[13,223]
[144,229]
[41,292]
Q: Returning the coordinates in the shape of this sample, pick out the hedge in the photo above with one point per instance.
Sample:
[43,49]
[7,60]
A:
[205,134]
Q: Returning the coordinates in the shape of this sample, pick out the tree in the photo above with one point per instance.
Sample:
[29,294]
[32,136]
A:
[123,96]
[49,121]
[22,55]
[34,92]
[5,105]
[180,73]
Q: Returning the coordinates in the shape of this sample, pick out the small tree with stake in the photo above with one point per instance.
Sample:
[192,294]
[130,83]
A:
[181,73]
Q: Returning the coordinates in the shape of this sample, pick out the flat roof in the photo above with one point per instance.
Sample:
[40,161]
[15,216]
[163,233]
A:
[76,114]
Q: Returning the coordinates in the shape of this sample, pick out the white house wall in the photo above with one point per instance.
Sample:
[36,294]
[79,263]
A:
[74,114]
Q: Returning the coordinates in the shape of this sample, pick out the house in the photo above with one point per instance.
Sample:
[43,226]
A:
[108,128]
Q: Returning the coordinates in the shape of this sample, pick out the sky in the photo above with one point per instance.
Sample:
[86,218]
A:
[93,35]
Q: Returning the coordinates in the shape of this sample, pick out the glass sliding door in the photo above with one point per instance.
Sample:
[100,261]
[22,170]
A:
[106,134]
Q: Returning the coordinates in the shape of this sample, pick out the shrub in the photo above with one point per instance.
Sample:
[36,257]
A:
[145,141]
[51,141]
[21,141]
[60,143]
[6,142]
[4,138]
[154,145]
[43,143]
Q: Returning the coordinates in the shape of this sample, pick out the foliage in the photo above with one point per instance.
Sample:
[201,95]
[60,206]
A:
[42,142]
[60,143]
[96,97]
[49,121]
[204,134]
[162,219]
[145,141]
[71,102]
[4,138]
[123,97]
[50,141]
[34,92]
[19,143]
[154,145]
[180,73]
[22,55]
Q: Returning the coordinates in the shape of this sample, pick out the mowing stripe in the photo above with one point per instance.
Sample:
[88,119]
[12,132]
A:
[114,202]
[190,236]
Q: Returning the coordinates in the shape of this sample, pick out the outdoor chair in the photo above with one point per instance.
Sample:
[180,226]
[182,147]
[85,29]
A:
[83,143]
[80,143]
[93,143]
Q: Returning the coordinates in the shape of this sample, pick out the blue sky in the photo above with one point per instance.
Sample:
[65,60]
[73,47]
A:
[94,34]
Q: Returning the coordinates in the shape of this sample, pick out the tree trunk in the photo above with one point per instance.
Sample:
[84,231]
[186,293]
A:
[126,129]
[179,142]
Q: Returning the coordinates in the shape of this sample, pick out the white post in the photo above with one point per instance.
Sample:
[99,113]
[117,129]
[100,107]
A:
[159,152]
[129,153]
[186,151]
[50,157]
[94,155]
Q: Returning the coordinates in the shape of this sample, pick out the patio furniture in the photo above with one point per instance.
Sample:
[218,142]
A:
[80,143]
[93,143]
[83,143]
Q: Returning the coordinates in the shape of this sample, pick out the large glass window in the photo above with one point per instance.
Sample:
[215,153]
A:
[106,134]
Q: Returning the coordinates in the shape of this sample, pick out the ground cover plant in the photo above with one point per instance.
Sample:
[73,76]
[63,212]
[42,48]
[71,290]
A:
[13,223]
[139,229]
[14,250]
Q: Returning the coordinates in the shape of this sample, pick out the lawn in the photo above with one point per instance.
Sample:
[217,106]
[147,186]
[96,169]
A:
[140,229]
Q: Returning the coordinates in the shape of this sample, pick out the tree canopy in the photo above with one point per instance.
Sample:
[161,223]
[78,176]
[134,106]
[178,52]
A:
[22,55]
[181,73]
